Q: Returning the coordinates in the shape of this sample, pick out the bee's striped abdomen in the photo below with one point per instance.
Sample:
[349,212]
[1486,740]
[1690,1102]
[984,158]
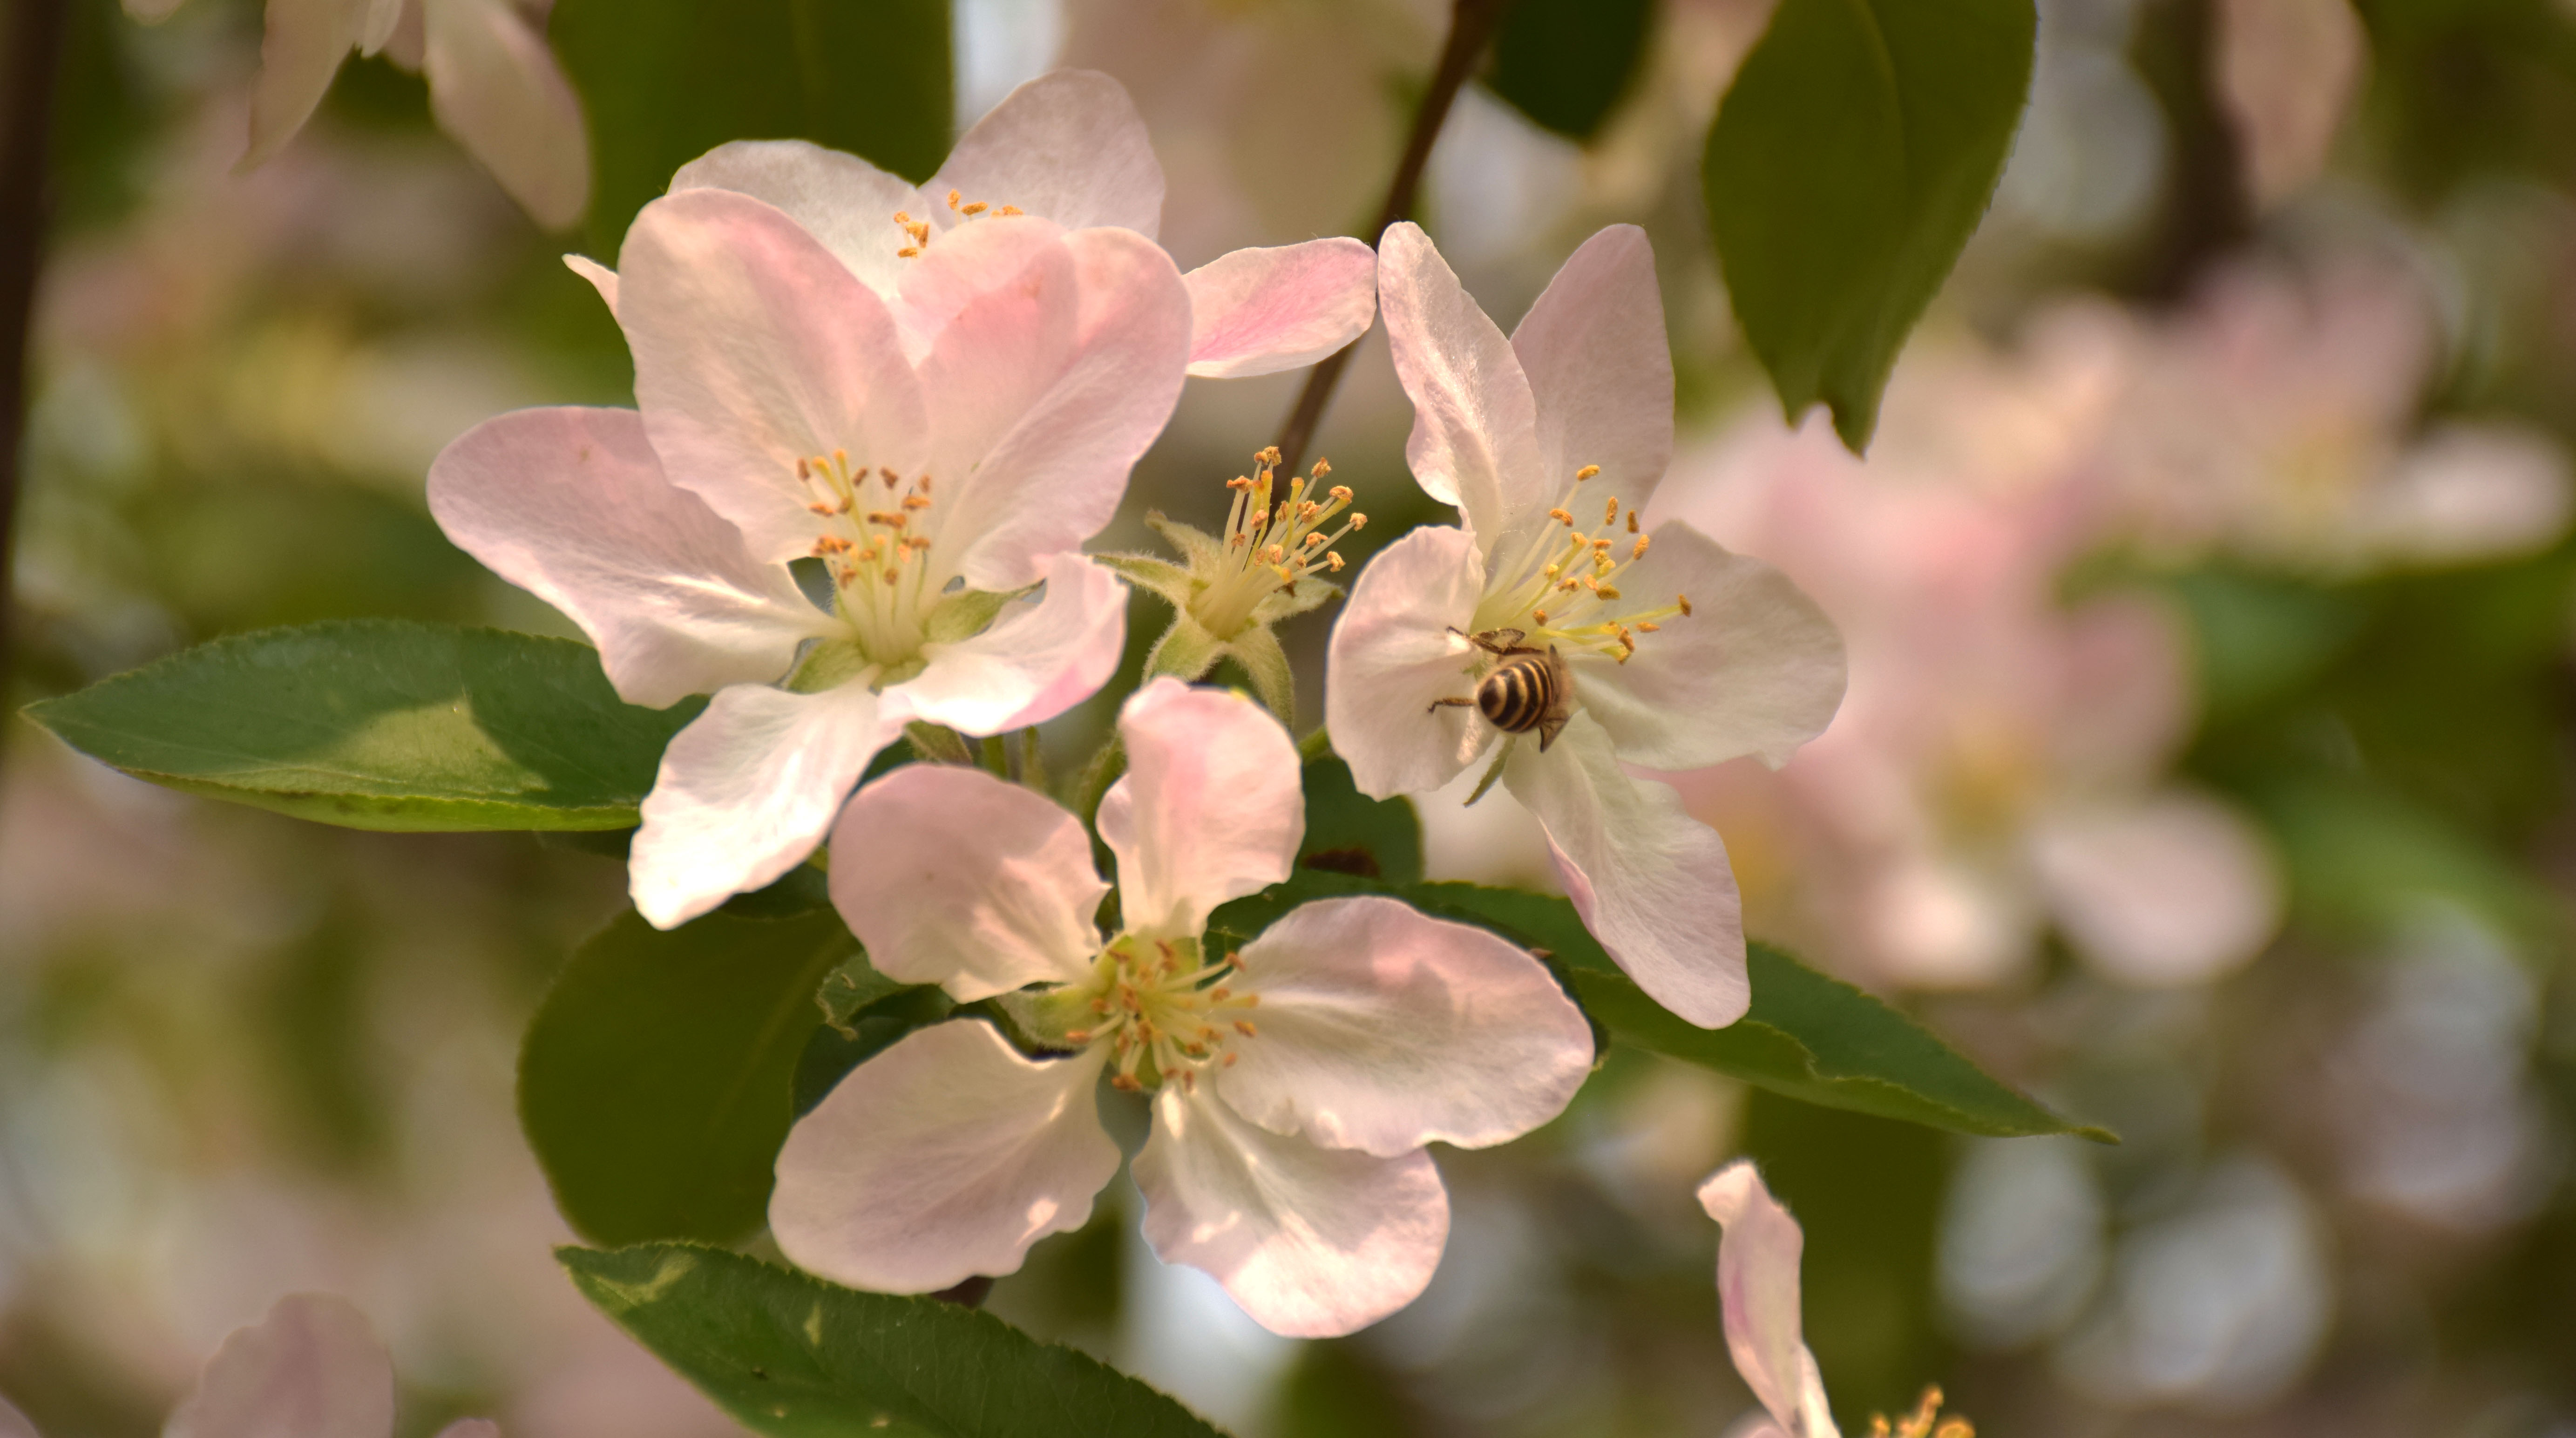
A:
[1518,694]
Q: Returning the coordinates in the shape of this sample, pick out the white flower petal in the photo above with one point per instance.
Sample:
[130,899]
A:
[1754,668]
[1313,1242]
[1758,1248]
[570,505]
[1398,645]
[1042,655]
[1211,808]
[299,52]
[1382,1029]
[841,200]
[1475,424]
[1261,311]
[941,1158]
[14,1424]
[951,876]
[755,349]
[1067,145]
[747,791]
[1651,882]
[1044,387]
[2174,888]
[312,1368]
[1600,368]
[495,86]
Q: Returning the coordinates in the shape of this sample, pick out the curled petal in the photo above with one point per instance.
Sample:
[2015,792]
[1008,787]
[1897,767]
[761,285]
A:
[1651,882]
[1382,1029]
[756,350]
[312,1368]
[1475,425]
[1040,656]
[495,86]
[2174,889]
[601,277]
[746,792]
[1261,311]
[1757,1292]
[1397,647]
[299,52]
[1755,667]
[571,505]
[941,1158]
[1067,145]
[1312,1242]
[951,876]
[1600,368]
[1211,807]
[840,199]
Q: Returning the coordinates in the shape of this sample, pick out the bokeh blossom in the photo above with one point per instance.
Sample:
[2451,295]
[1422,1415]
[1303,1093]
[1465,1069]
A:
[1662,648]
[313,1368]
[1295,1081]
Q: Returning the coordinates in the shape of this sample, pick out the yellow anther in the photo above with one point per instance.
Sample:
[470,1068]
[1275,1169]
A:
[1561,517]
[916,501]
[1245,1028]
[1268,456]
[903,219]
[1314,539]
[1359,521]
[1126,1083]
[1333,562]
[1239,482]
[1683,601]
[1602,545]
[953,198]
[1632,522]
[1077,1036]
[1647,626]
[1606,591]
[1341,492]
[1230,1057]
[1613,516]
[1539,616]
[976,208]
[1012,210]
[889,476]
[1639,550]
[1586,472]
[1320,469]
[907,253]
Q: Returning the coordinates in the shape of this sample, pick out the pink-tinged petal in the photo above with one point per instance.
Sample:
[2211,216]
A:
[1044,389]
[300,51]
[755,349]
[1382,1029]
[951,876]
[2287,72]
[1475,423]
[1211,808]
[1041,656]
[601,277]
[1313,1242]
[841,200]
[471,1428]
[1755,667]
[1397,646]
[747,791]
[570,505]
[1758,1248]
[1067,145]
[1600,368]
[14,1424]
[1651,882]
[2173,889]
[312,1368]
[941,1158]
[1261,311]
[495,86]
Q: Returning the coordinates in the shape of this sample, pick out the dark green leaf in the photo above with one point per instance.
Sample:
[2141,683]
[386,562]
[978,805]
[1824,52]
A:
[658,1078]
[1349,832]
[794,1357]
[382,724]
[1845,170]
[842,1043]
[665,81]
[1566,63]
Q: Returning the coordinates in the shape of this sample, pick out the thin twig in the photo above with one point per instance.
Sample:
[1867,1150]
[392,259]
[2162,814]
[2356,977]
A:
[1471,26]
[31,51]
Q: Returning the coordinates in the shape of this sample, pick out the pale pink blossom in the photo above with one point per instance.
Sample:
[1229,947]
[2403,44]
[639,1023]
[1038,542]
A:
[942,449]
[2286,73]
[493,84]
[1676,653]
[1758,1249]
[313,1368]
[1295,1083]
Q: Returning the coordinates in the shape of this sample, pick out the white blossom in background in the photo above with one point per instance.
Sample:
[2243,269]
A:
[1295,1083]
[313,1368]
[493,84]
[1676,654]
[2287,72]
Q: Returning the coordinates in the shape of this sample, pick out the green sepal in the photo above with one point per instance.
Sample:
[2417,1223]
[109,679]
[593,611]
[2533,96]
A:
[965,614]
[1258,651]
[1186,651]
[1159,577]
[1199,549]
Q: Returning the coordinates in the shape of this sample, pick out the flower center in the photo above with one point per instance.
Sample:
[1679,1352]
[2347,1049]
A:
[1270,544]
[868,544]
[919,230]
[1561,588]
[1163,1015]
[1920,1423]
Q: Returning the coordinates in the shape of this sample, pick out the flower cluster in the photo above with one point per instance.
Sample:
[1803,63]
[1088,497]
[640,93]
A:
[875,424]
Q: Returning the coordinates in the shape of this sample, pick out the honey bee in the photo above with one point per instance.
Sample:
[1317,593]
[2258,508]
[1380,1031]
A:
[1530,689]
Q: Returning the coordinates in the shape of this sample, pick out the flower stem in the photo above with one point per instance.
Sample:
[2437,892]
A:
[1471,27]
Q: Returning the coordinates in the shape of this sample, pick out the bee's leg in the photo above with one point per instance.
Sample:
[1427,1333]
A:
[1461,703]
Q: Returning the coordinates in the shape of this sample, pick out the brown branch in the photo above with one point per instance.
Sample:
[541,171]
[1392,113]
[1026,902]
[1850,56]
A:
[30,55]
[1471,26]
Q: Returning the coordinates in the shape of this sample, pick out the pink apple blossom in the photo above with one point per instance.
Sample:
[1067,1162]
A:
[942,450]
[493,84]
[1677,653]
[313,1368]
[1295,1083]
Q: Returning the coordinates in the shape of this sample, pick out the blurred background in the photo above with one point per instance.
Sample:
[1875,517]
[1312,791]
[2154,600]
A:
[2211,607]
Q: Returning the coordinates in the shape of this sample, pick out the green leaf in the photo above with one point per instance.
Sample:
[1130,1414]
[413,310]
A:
[1845,170]
[1567,63]
[1808,1036]
[795,1357]
[1350,833]
[382,724]
[665,81]
[657,1080]
[850,1036]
